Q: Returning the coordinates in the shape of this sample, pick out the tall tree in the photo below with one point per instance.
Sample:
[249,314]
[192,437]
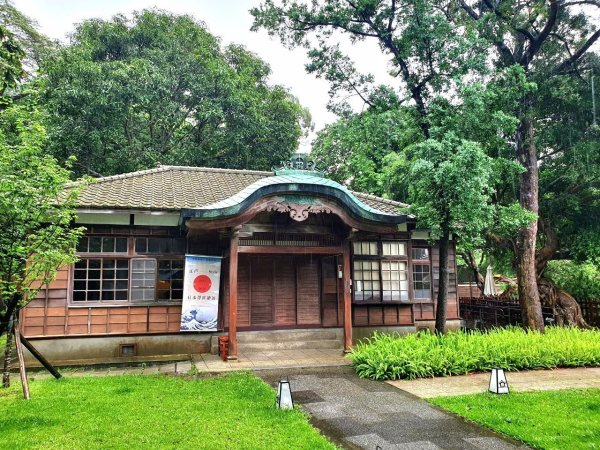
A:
[157,88]
[547,39]
[429,57]
[36,214]
[26,33]
[11,67]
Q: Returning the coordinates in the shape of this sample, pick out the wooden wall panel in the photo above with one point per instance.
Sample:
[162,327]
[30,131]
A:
[388,315]
[243,291]
[308,288]
[284,270]
[262,291]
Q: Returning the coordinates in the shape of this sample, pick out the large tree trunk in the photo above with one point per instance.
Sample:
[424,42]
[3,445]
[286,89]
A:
[7,360]
[529,296]
[442,298]
[569,311]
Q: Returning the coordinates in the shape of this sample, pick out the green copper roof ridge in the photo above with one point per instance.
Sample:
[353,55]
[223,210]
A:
[296,183]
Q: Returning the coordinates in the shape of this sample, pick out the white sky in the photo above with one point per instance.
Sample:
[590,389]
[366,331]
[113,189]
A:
[229,20]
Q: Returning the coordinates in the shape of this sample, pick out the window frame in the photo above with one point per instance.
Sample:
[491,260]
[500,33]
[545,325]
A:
[128,256]
[381,258]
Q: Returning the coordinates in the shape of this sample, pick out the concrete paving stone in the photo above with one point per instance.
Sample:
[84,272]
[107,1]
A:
[133,370]
[419,445]
[370,441]
[149,370]
[490,443]
[167,368]
[183,366]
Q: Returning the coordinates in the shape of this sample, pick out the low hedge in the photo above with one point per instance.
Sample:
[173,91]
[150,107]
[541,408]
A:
[421,355]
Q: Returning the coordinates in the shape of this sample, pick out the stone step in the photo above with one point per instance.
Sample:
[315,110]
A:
[286,336]
[330,344]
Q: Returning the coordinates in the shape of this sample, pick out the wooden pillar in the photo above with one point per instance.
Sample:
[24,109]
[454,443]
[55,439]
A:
[233,293]
[346,271]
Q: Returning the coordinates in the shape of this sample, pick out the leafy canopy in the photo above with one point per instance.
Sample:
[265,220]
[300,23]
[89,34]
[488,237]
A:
[36,213]
[158,88]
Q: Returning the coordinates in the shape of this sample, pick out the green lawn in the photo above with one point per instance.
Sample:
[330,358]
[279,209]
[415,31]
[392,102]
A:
[152,411]
[561,420]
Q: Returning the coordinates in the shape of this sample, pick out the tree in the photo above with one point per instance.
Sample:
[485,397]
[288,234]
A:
[547,39]
[355,149]
[36,213]
[449,195]
[11,68]
[128,94]
[26,35]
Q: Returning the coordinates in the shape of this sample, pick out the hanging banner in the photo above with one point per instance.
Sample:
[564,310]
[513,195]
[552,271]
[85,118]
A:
[200,307]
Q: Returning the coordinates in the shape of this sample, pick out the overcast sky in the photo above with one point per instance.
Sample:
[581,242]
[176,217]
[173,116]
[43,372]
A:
[229,20]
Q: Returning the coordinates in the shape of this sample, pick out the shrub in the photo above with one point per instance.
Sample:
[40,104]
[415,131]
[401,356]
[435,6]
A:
[420,355]
[581,280]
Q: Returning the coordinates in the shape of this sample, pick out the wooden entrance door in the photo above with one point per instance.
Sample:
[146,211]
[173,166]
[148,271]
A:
[332,292]
[284,291]
[261,291]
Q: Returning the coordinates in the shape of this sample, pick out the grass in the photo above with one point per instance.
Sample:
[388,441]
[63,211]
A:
[389,357]
[134,412]
[549,420]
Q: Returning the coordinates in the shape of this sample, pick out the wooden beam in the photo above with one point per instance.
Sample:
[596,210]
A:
[21,362]
[49,367]
[233,293]
[256,249]
[347,297]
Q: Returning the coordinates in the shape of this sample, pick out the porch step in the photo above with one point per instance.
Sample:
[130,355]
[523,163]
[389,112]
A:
[286,335]
[330,344]
[259,341]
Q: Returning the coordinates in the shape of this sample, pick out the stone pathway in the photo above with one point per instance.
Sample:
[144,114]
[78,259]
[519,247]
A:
[533,380]
[275,358]
[281,359]
[362,414]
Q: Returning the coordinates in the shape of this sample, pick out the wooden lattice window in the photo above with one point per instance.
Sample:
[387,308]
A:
[101,280]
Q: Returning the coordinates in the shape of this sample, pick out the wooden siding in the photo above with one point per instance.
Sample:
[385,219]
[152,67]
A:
[49,315]
[290,284]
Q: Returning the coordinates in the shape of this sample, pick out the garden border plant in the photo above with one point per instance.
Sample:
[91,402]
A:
[421,355]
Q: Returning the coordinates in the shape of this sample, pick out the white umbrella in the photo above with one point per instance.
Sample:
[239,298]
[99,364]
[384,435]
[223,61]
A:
[489,287]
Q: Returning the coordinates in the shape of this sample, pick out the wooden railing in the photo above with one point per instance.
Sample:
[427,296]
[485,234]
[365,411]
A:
[489,312]
[590,310]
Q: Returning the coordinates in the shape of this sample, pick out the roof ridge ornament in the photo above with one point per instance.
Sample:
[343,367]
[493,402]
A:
[298,165]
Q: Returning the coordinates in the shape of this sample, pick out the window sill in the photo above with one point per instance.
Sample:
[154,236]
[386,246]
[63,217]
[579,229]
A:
[120,304]
[388,302]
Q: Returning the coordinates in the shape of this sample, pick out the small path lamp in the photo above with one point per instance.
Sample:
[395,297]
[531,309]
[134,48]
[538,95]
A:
[498,383]
[284,395]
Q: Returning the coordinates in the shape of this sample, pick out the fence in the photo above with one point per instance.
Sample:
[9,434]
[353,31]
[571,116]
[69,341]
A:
[488,312]
[590,309]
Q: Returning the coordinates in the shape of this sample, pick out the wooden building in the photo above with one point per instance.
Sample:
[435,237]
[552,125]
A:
[300,252]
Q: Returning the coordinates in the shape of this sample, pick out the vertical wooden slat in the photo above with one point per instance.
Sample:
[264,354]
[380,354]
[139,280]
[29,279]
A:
[347,297]
[233,292]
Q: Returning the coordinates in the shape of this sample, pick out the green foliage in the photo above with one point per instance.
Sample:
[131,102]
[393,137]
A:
[136,412]
[35,212]
[357,149]
[449,188]
[549,420]
[420,355]
[157,88]
[11,68]
[581,280]
[26,34]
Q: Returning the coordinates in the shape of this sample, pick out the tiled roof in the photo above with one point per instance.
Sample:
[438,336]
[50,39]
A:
[172,188]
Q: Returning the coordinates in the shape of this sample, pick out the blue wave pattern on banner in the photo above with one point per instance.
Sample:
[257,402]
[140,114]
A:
[189,322]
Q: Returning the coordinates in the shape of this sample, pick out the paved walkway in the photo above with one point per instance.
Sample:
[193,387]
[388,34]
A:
[362,414]
[282,359]
[534,380]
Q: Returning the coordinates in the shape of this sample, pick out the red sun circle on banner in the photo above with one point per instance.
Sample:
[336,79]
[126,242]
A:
[202,284]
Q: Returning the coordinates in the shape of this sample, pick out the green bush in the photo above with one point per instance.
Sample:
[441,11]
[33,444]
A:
[581,280]
[420,355]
